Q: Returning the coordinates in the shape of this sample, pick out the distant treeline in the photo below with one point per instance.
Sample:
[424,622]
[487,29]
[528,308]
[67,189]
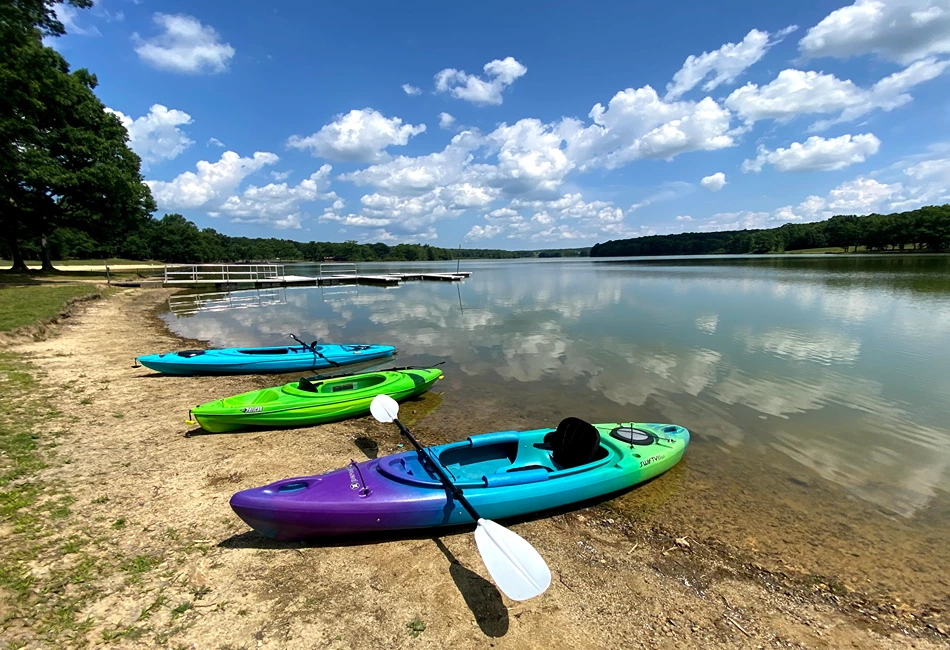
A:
[175,239]
[928,227]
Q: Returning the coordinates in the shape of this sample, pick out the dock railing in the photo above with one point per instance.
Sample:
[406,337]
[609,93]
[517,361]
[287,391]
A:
[338,269]
[221,273]
[225,300]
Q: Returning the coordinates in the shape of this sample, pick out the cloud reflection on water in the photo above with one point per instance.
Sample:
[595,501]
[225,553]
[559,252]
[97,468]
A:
[811,365]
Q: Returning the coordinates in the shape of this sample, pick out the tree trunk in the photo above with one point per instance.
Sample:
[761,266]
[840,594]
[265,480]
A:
[47,262]
[18,263]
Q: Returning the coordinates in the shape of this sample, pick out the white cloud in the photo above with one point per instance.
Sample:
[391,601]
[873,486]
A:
[724,65]
[277,204]
[715,182]
[280,176]
[357,136]
[684,218]
[499,75]
[409,89]
[214,142]
[185,45]
[212,182]
[413,175]
[794,92]
[156,136]
[484,232]
[564,218]
[860,196]
[639,124]
[816,154]
[446,120]
[68,15]
[903,31]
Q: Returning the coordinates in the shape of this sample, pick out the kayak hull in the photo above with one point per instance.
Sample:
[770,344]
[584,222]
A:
[239,361]
[324,401]
[502,474]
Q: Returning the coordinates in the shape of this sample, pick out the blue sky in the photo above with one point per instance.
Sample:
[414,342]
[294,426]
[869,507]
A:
[516,125]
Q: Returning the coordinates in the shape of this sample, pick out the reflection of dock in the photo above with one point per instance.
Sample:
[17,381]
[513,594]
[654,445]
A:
[226,300]
[273,275]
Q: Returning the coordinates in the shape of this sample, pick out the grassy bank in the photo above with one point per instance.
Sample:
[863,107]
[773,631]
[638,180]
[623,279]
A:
[22,305]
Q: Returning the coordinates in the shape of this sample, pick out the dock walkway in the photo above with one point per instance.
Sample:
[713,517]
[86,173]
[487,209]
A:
[228,276]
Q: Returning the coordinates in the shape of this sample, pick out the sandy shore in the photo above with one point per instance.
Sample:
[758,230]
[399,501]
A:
[176,568]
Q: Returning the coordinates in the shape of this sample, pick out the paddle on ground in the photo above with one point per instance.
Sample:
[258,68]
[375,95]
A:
[515,566]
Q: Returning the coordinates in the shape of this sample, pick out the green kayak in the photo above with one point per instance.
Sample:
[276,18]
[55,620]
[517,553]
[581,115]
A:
[307,402]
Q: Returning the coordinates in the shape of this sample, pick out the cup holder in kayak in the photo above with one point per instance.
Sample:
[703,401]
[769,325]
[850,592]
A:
[632,436]
[293,486]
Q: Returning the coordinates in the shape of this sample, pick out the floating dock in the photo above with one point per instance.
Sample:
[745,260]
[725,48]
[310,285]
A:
[260,276]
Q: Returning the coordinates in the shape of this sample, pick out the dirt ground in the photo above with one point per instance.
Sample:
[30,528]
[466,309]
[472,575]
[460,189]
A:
[161,561]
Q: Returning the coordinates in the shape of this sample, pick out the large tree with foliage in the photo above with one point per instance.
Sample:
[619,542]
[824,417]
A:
[64,161]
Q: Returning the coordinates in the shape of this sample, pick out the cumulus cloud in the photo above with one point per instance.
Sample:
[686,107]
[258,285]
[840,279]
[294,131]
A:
[499,74]
[446,120]
[565,218]
[902,31]
[156,136]
[816,154]
[483,232]
[714,182]
[277,204]
[639,124]
[794,92]
[723,65]
[357,136]
[859,196]
[211,182]
[409,89]
[185,45]
[214,142]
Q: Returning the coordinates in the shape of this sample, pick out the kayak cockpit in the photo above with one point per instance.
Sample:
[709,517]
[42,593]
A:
[492,460]
[334,386]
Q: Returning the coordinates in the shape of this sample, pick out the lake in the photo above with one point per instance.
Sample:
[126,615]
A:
[817,388]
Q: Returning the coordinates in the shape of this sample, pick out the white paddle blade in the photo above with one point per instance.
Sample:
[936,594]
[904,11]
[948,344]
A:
[518,570]
[384,408]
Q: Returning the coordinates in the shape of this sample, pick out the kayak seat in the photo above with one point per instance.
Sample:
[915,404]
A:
[574,443]
[305,384]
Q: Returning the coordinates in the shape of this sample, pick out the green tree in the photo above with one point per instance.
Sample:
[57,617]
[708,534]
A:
[64,161]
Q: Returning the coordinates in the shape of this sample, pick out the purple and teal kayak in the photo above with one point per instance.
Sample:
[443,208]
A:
[504,474]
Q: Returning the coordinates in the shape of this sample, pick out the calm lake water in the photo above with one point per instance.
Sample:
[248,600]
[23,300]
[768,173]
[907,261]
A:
[817,388]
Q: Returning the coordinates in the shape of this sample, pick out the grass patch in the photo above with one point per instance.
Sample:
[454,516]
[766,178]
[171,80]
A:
[180,609]
[25,305]
[416,627]
[140,564]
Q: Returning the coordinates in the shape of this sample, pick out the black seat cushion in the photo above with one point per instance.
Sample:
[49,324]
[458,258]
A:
[305,384]
[574,443]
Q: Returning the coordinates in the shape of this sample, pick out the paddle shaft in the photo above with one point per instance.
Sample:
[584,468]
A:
[456,491]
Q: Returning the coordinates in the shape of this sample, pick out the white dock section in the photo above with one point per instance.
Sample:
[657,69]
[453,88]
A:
[274,275]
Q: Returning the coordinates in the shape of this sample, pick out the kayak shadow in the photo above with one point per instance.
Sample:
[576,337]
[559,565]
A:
[481,596]
[368,446]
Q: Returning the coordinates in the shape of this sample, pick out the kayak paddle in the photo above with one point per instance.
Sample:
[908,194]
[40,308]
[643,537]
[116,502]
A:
[515,566]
